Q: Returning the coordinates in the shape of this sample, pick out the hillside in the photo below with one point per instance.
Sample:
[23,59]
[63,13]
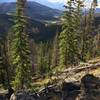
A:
[42,32]
[37,30]
[97,19]
[34,10]
[97,10]
[38,16]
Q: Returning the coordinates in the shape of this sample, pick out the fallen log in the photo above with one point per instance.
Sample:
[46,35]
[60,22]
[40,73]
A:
[79,69]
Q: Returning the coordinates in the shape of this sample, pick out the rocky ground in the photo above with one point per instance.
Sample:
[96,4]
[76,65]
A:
[77,83]
[88,88]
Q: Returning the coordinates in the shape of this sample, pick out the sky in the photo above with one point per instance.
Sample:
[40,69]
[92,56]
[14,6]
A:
[58,4]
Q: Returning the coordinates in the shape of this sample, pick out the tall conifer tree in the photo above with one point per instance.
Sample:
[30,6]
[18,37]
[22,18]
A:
[68,45]
[4,64]
[20,48]
[86,35]
[55,50]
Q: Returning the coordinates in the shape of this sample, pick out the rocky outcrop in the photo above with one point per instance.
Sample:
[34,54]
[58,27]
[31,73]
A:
[87,89]
[70,91]
[6,94]
[24,95]
[90,88]
[2,97]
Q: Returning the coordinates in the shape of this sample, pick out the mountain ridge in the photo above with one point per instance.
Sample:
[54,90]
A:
[34,10]
[39,16]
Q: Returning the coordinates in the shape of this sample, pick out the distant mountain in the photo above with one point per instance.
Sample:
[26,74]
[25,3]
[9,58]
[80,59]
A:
[33,10]
[37,14]
[97,10]
[58,4]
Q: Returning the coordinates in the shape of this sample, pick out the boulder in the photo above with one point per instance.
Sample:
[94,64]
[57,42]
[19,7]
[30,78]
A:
[2,97]
[3,94]
[24,95]
[9,93]
[50,93]
[90,88]
[70,91]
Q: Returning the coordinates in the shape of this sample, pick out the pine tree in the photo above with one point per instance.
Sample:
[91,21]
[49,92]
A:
[55,51]
[2,74]
[43,59]
[4,64]
[86,42]
[68,45]
[40,59]
[96,48]
[20,47]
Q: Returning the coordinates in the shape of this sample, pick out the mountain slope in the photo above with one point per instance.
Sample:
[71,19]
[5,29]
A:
[37,30]
[33,10]
[97,10]
[37,14]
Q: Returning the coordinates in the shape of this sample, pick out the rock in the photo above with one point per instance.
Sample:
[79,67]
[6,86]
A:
[3,94]
[10,92]
[87,89]
[69,86]
[70,91]
[50,93]
[24,95]
[90,81]
[2,97]
[13,97]
[90,87]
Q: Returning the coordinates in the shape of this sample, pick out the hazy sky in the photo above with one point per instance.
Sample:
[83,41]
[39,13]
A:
[52,3]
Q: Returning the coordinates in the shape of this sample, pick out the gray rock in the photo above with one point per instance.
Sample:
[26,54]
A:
[2,97]
[23,95]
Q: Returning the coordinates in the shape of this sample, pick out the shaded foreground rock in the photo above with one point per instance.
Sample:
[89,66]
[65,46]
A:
[24,95]
[70,91]
[2,97]
[90,88]
[87,89]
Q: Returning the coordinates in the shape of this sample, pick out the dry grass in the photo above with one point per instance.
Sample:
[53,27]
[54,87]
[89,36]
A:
[96,71]
[41,82]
